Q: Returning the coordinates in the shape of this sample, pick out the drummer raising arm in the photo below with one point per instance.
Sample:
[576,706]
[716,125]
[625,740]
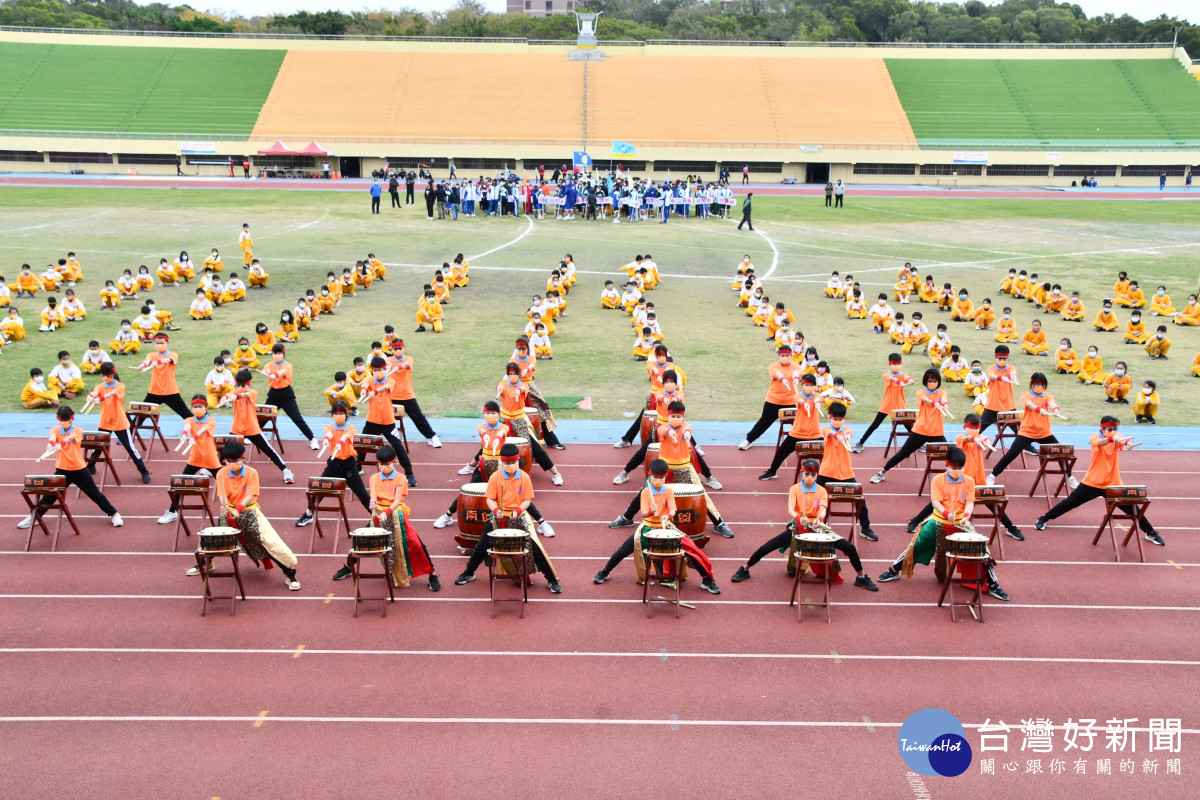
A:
[807,505]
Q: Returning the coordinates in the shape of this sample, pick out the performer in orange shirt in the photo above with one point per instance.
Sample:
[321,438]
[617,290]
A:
[245,421]
[1001,379]
[401,368]
[198,435]
[894,381]
[806,428]
[1104,471]
[65,445]
[932,409]
[282,396]
[1038,405]
[110,394]
[781,394]
[835,462]
[343,460]
[163,388]
[509,495]
[381,417]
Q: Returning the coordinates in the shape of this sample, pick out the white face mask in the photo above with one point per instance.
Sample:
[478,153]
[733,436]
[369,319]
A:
[124,327]
[941,334]
[38,380]
[1008,316]
[1064,347]
[1119,372]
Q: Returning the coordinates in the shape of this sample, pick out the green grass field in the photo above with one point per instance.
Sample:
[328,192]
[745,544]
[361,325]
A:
[134,89]
[1048,102]
[301,235]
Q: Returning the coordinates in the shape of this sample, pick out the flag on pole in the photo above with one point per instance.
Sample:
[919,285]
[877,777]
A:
[582,160]
[623,150]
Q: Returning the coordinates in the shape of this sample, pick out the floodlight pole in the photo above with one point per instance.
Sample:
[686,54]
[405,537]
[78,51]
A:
[1175,40]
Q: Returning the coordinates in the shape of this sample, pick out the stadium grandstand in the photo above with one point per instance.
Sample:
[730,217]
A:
[111,102]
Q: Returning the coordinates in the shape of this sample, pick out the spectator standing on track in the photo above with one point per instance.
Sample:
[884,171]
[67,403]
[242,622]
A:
[839,192]
[376,193]
[746,174]
[394,190]
[178,165]
[409,180]
[452,173]
[325,169]
[1162,181]
[828,195]
[746,212]
[246,167]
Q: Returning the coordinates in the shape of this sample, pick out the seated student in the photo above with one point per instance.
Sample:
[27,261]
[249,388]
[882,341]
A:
[1160,303]
[823,378]
[1072,310]
[70,269]
[882,315]
[1117,385]
[66,379]
[1020,284]
[347,283]
[1007,282]
[1039,294]
[975,382]
[984,316]
[1135,329]
[1190,314]
[126,340]
[631,297]
[342,390]
[644,345]
[1121,288]
[760,313]
[52,316]
[848,286]
[206,282]
[1006,328]
[326,300]
[287,328]
[27,284]
[1196,366]
[378,268]
[1034,341]
[963,309]
[110,297]
[1158,345]
[916,334]
[93,358]
[1105,320]
[167,275]
[264,340]
[1146,407]
[221,294]
[440,289]
[244,357]
[833,286]
[540,343]
[1134,298]
[146,324]
[939,346]
[1056,302]
[219,383]
[334,288]
[610,297]
[838,394]
[743,269]
[72,307]
[5,294]
[945,298]
[363,276]
[954,368]
[751,300]
[929,291]
[214,261]
[302,315]
[201,308]
[257,278]
[36,393]
[903,288]
[1066,360]
[898,332]
[165,320]
[183,267]
[644,279]
[1033,288]
[458,272]
[785,335]
[1091,372]
[50,279]
[780,316]
[13,327]
[856,307]
[429,310]
[127,285]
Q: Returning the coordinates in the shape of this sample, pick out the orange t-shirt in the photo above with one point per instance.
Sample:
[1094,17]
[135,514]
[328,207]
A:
[204,452]
[402,377]
[811,505]
[808,421]
[953,495]
[1033,424]
[974,453]
[388,490]
[162,379]
[245,418]
[238,488]
[512,400]
[675,450]
[656,506]
[656,371]
[279,376]
[341,441]
[508,493]
[1104,471]
[70,457]
[835,464]
[379,407]
[492,439]
[930,421]
[528,368]
[662,402]
[778,393]
[893,391]
[1000,393]
[112,407]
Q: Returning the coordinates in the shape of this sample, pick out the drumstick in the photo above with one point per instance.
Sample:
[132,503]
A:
[324,447]
[49,452]
[1057,413]
[88,406]
[191,443]
[679,603]
[182,441]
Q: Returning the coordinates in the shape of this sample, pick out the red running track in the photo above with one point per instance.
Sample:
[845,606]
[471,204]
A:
[103,643]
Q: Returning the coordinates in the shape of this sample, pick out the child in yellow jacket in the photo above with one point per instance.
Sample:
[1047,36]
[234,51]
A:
[963,309]
[1106,320]
[1158,345]
[126,340]
[53,317]
[1117,385]
[1190,315]
[1073,310]
[1146,406]
[985,315]
[429,311]
[36,394]
[1066,360]
[1006,327]
[110,298]
[1034,341]
[1092,371]
[1160,303]
[1134,298]
[245,357]
[13,327]
[1135,329]
[341,390]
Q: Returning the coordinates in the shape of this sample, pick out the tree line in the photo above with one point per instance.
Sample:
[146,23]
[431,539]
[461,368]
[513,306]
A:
[973,21]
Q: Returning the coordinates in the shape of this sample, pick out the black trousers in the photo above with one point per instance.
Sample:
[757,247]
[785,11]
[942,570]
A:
[864,518]
[395,198]
[1084,493]
[127,442]
[880,416]
[83,479]
[171,401]
[626,550]
[479,553]
[264,447]
[347,469]
[828,200]
[927,512]
[1019,444]
[770,416]
[837,201]
[785,539]
[912,444]
[745,221]
[412,410]
[374,205]
[987,419]
[408,194]
[388,432]
[785,449]
[429,207]
[285,400]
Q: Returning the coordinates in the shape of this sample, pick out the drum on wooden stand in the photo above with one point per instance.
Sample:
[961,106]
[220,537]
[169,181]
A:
[651,454]
[662,543]
[691,511]
[649,421]
[369,540]
[508,541]
[526,451]
[967,545]
[535,422]
[218,540]
[473,514]
[1125,493]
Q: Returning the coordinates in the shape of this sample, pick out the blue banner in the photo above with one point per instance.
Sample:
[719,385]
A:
[582,160]
[623,150]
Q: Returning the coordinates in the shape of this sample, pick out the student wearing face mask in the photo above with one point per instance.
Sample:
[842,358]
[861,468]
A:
[219,382]
[1066,360]
[1091,372]
[163,388]
[1038,406]
[65,443]
[66,378]
[342,461]
[1117,385]
[36,393]
[932,408]
[784,379]
[1158,345]
[835,462]
[110,394]
[894,381]
[126,341]
[198,434]
[1006,328]
[282,396]
[1135,329]
[1105,320]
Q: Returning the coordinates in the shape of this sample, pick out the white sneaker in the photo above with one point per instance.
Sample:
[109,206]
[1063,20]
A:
[117,522]
[1072,482]
[204,473]
[193,572]
[712,483]
[26,523]
[699,451]
[544,529]
[878,477]
[556,478]
[289,477]
[168,517]
[292,584]
[467,470]
[443,521]
[312,445]
[622,477]
[434,441]
[745,445]
[991,479]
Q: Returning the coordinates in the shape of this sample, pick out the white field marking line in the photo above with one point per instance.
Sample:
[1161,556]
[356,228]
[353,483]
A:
[988,262]
[528,230]
[294,228]
[808,228]
[774,253]
[592,601]
[17,231]
[991,224]
[672,721]
[255,651]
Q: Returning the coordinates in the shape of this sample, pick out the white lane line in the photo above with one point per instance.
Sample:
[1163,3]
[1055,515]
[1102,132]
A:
[839,656]
[905,242]
[528,230]
[774,253]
